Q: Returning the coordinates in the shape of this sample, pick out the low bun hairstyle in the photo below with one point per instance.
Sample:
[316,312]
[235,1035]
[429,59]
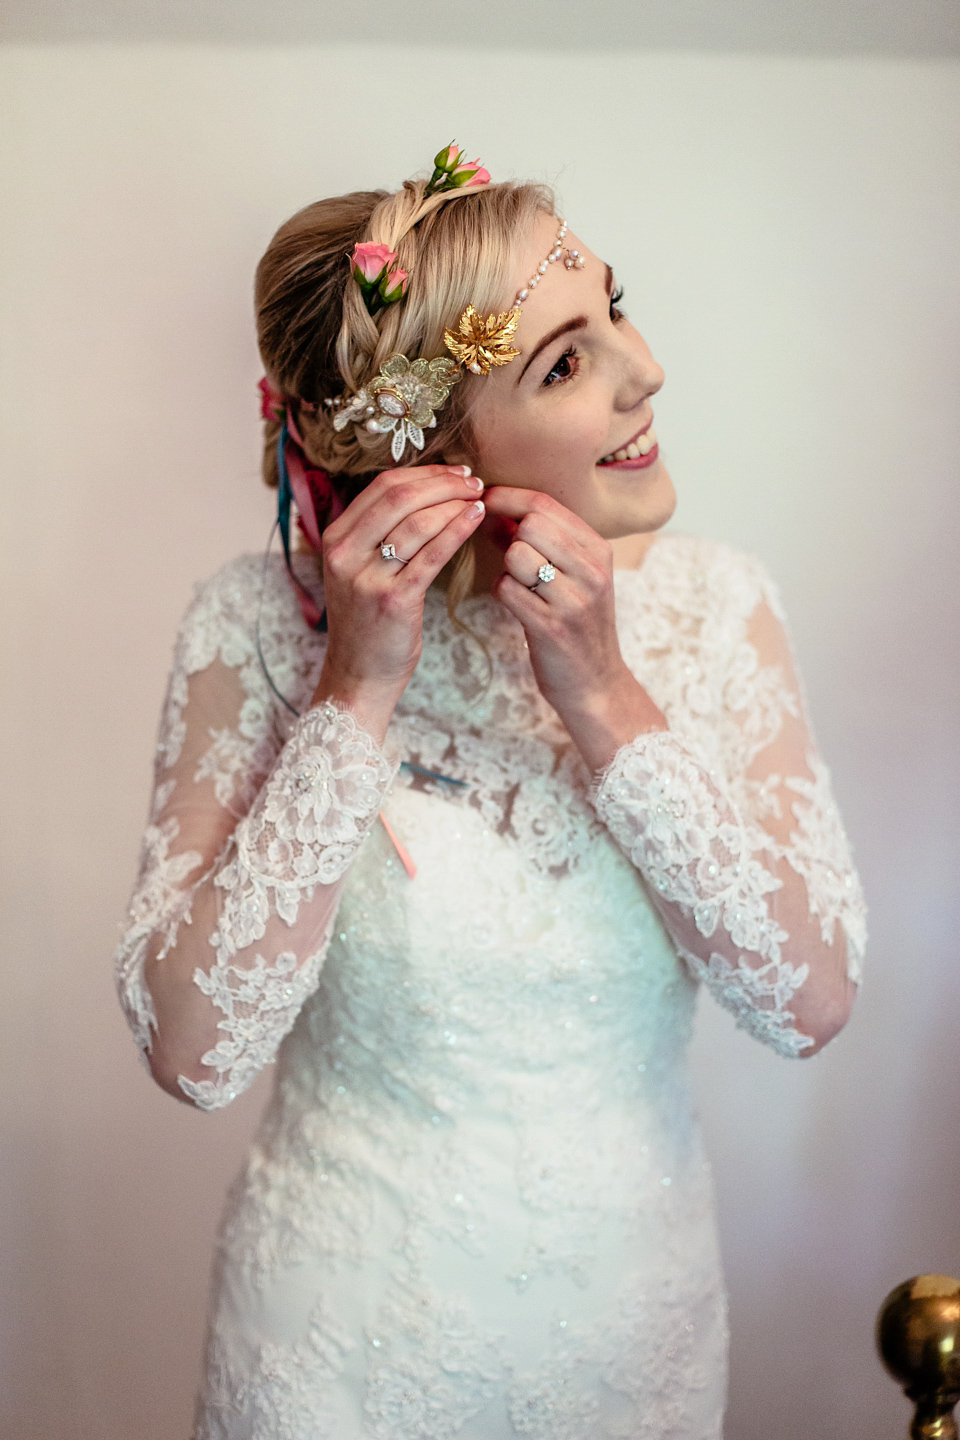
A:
[317,339]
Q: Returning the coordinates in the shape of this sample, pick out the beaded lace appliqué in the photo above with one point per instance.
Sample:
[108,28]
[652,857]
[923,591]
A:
[160,902]
[820,854]
[693,849]
[303,831]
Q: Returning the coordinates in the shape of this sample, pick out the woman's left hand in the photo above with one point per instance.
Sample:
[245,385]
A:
[570,622]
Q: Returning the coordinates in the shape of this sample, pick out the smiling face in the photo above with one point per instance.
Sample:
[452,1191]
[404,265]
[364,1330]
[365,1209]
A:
[571,416]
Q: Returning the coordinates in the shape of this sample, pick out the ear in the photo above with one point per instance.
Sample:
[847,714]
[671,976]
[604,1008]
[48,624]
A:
[455,455]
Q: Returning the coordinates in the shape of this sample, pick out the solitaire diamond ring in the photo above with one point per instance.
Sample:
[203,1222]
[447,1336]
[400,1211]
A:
[545,574]
[389,553]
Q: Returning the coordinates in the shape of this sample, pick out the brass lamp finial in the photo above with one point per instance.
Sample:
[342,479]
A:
[918,1336]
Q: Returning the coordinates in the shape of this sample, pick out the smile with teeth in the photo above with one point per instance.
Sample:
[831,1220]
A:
[634,451]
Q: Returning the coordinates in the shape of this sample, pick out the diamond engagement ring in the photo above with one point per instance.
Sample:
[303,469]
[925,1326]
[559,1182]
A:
[389,553]
[545,574]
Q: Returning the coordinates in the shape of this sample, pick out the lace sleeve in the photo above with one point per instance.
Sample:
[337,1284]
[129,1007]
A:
[748,863]
[250,838]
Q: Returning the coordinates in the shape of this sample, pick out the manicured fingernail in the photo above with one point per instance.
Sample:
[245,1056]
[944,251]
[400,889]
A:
[477,508]
[461,469]
[474,482]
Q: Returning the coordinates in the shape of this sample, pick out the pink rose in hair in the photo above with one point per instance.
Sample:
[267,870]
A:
[369,263]
[272,404]
[470,173]
[448,157]
[393,286]
[452,172]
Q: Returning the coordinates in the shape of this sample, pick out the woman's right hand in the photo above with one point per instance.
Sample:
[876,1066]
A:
[375,606]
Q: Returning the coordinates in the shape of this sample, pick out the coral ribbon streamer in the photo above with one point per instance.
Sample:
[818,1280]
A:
[405,860]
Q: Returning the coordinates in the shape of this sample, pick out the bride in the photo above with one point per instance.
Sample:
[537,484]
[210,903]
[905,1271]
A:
[457,803]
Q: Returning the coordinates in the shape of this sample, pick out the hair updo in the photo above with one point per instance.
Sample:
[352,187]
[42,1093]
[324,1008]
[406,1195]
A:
[317,339]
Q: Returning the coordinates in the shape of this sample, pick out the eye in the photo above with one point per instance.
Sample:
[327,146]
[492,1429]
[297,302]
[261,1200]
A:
[564,369]
[615,312]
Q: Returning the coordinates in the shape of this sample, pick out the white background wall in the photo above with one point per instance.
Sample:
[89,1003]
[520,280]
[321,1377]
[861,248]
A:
[788,232]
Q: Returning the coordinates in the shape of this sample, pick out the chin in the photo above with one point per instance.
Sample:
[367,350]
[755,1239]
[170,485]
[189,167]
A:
[648,512]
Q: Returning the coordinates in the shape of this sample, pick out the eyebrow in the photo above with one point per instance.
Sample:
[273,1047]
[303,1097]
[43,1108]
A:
[579,322]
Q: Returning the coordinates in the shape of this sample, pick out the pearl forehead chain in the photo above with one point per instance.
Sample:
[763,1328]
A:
[573,261]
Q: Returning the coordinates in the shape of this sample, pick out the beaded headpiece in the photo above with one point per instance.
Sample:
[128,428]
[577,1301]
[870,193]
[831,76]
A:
[405,395]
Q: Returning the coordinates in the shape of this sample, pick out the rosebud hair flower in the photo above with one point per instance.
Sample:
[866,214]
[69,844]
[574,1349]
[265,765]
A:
[393,286]
[272,404]
[447,159]
[470,173]
[375,270]
[452,173]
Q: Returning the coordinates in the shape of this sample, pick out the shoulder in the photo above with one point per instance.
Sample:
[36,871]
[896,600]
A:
[221,619]
[701,578]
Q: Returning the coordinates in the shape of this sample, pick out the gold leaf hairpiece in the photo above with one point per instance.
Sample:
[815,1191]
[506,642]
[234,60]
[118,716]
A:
[480,344]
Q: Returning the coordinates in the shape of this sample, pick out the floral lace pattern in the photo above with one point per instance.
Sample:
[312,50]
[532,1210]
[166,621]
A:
[662,1354]
[661,804]
[695,852]
[478,1204]
[434,1370]
[289,1397]
[758,999]
[820,853]
[307,824]
[160,901]
[303,831]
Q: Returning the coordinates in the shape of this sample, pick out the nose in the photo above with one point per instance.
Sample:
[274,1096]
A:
[640,376]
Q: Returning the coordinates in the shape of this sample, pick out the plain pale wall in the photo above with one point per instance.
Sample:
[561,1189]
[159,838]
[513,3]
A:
[787,232]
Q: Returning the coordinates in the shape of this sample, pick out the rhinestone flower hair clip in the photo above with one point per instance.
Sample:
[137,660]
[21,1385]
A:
[404,397]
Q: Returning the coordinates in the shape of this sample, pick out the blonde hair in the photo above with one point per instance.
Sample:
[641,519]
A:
[317,339]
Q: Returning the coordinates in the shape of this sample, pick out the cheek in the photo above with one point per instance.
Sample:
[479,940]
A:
[536,450]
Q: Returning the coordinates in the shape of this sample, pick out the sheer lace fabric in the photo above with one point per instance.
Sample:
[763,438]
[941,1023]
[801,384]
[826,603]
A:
[729,816]
[289,808]
[478,1205]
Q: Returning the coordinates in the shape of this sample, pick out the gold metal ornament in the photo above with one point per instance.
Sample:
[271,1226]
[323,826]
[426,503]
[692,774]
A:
[918,1336]
[480,344]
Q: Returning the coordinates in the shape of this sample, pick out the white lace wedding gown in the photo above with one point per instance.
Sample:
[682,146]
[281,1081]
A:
[478,1205]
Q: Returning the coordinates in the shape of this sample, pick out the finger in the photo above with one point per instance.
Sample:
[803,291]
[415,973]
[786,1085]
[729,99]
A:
[513,502]
[562,537]
[524,563]
[412,534]
[396,494]
[517,504]
[426,565]
[525,605]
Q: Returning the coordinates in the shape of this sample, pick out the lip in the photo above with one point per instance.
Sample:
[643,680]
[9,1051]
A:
[642,462]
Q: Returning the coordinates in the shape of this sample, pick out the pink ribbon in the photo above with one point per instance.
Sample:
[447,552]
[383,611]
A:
[312,489]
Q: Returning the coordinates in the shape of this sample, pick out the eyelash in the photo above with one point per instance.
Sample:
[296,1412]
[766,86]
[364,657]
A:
[553,378]
[616,315]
